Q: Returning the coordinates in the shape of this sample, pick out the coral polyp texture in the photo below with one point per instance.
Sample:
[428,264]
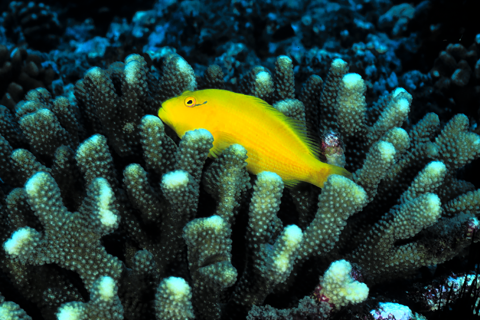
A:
[106,214]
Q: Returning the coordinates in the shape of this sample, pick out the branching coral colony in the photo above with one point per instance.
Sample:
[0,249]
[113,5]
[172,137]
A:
[153,230]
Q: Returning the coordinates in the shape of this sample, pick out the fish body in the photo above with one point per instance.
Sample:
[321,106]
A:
[273,141]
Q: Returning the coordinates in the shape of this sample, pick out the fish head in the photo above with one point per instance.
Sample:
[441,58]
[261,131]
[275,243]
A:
[184,112]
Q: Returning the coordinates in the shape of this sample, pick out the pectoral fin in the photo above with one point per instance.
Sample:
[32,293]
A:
[221,141]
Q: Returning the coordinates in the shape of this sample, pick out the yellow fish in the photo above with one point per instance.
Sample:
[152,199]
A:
[274,142]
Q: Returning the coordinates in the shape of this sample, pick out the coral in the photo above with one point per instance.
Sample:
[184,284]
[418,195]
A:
[209,239]
[103,304]
[452,67]
[33,23]
[79,230]
[338,287]
[118,114]
[212,79]
[456,78]
[11,311]
[173,300]
[271,263]
[152,228]
[21,72]
[390,310]
[284,81]
[397,18]
[307,308]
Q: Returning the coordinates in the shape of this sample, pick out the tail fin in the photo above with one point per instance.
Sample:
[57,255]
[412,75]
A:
[341,172]
[323,174]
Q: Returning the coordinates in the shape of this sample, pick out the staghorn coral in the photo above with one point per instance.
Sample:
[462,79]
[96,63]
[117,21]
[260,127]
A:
[173,300]
[103,304]
[102,189]
[34,23]
[307,308]
[456,76]
[397,18]
[21,72]
[11,311]
[338,286]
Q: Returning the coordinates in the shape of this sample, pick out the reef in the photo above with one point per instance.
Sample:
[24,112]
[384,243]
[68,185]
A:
[100,199]
[21,72]
[33,23]
[106,214]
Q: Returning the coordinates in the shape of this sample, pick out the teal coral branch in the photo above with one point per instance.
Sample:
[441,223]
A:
[155,229]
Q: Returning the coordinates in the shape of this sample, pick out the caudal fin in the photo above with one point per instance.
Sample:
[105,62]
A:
[341,171]
[326,172]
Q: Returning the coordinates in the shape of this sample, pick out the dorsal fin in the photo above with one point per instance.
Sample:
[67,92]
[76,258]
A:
[297,126]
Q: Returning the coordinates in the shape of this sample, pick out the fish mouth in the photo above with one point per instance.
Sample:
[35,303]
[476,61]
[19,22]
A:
[163,115]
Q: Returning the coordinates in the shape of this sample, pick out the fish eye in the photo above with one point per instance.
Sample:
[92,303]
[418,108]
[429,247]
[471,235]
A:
[190,102]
